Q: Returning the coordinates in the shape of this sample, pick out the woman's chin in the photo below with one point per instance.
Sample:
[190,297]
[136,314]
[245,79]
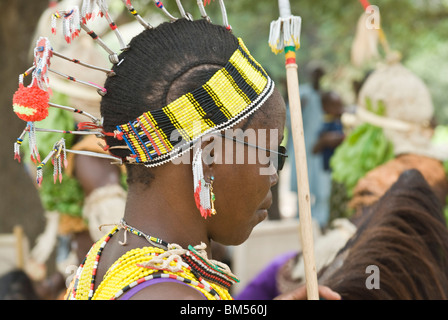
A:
[262,214]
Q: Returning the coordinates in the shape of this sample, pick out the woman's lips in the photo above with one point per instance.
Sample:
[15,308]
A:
[267,203]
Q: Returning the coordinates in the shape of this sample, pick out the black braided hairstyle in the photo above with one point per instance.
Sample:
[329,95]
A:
[161,65]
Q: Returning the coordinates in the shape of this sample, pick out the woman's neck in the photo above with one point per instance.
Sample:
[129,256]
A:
[165,210]
[165,214]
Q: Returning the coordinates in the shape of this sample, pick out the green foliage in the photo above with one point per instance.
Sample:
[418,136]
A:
[440,135]
[380,110]
[446,211]
[65,198]
[363,150]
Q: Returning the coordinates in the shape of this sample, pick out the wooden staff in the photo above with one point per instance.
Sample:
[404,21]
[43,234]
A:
[284,36]
[18,233]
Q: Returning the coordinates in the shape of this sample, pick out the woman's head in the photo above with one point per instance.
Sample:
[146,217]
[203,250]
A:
[164,64]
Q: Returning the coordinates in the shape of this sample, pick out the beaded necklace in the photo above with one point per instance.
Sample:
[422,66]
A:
[156,242]
[211,278]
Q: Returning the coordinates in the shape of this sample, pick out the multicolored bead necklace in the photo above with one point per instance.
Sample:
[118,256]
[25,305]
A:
[163,260]
[156,242]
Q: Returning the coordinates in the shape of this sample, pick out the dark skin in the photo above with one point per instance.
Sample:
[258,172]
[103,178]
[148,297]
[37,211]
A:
[166,208]
[95,173]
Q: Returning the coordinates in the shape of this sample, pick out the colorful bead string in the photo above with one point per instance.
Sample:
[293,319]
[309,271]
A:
[152,240]
[127,272]
[200,266]
[98,248]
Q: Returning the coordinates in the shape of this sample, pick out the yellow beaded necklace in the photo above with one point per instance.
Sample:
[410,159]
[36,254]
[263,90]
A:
[144,264]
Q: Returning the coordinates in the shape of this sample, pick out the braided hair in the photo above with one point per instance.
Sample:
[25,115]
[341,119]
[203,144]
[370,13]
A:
[161,65]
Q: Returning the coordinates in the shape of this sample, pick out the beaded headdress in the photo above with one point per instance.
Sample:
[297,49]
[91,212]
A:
[230,95]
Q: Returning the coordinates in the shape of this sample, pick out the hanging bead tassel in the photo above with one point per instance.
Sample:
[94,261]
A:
[212,196]
[203,191]
[71,26]
[58,156]
[204,198]
[198,176]
[34,152]
[87,13]
[42,56]
[17,146]
[74,17]
[39,174]
[40,166]
[87,10]
[54,17]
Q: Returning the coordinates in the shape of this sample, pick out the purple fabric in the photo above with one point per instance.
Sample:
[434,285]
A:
[264,286]
[148,283]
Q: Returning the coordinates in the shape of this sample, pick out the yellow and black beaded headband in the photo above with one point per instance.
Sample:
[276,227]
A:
[230,95]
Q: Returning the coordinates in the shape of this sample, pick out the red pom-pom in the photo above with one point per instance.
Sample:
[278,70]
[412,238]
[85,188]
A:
[31,103]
